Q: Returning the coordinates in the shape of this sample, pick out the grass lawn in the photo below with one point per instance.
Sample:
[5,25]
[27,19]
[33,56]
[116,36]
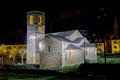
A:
[69,69]
[109,60]
[21,76]
[29,76]
[60,74]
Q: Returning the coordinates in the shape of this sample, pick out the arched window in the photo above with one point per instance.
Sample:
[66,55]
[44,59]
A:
[40,20]
[31,20]
[48,48]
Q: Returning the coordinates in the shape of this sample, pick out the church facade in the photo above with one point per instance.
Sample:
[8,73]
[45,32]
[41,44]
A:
[56,50]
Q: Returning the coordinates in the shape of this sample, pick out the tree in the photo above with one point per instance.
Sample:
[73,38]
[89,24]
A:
[22,53]
[14,53]
[3,55]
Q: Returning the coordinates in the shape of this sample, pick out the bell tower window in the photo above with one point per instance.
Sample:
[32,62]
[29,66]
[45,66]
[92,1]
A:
[31,20]
[40,20]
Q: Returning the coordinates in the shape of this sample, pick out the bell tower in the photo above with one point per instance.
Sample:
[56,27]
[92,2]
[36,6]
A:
[35,33]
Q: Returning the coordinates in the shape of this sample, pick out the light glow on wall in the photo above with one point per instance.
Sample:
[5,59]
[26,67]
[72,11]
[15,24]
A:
[32,37]
[39,29]
[41,46]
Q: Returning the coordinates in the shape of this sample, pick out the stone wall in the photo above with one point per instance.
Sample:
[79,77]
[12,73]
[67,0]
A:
[30,48]
[90,54]
[51,55]
[33,53]
[74,35]
[73,57]
[50,60]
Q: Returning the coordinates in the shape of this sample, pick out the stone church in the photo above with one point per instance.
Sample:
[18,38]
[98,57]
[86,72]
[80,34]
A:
[56,50]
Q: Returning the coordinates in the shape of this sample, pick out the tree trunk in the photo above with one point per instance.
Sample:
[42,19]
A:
[13,59]
[22,59]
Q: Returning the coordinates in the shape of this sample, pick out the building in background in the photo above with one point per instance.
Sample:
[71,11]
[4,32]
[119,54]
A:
[115,46]
[111,40]
[99,45]
[115,38]
[95,39]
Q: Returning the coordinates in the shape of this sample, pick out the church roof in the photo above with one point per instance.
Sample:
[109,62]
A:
[71,47]
[78,40]
[65,33]
[35,12]
[61,38]
[86,44]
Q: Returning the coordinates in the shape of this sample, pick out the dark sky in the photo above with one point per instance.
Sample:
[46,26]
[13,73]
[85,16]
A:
[61,15]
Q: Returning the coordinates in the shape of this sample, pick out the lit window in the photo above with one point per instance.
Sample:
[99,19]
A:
[39,20]
[31,20]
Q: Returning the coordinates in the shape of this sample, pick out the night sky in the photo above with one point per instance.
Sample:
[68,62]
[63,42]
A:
[61,15]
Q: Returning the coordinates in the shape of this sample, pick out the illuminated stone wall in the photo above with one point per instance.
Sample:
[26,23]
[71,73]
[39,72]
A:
[73,57]
[50,60]
[90,54]
[30,48]
[51,53]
